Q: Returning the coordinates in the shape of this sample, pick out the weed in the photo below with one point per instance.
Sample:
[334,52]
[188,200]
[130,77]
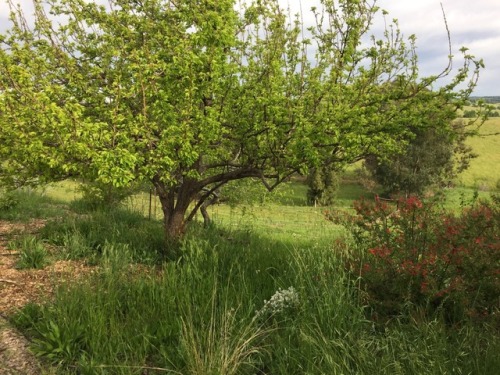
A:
[32,253]
[58,344]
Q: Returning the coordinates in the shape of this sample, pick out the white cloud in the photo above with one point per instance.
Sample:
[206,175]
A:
[474,25]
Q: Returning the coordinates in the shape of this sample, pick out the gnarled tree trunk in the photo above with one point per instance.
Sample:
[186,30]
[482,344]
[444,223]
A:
[175,201]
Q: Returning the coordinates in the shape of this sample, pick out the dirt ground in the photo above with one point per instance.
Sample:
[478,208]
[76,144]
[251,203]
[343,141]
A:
[17,288]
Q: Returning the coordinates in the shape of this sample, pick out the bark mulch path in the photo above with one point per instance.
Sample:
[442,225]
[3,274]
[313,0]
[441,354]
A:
[19,287]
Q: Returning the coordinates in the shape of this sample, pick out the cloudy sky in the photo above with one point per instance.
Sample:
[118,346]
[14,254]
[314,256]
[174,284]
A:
[475,25]
[472,24]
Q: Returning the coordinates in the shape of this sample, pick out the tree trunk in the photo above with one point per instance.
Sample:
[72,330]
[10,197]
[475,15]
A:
[175,202]
[174,225]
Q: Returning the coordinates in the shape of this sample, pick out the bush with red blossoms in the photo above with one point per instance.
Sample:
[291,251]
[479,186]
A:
[416,255]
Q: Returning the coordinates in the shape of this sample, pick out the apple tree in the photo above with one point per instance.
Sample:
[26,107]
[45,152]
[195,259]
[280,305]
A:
[190,95]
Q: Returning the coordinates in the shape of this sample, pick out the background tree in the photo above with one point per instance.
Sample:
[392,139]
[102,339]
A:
[190,95]
[432,157]
[322,186]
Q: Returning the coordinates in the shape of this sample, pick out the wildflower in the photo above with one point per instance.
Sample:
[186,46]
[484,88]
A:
[281,301]
[413,202]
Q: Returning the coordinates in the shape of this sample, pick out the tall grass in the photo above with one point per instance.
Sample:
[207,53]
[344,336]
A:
[199,315]
[85,236]
[32,253]
[27,204]
[210,311]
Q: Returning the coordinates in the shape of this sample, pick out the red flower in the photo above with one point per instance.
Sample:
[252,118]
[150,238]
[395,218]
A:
[424,286]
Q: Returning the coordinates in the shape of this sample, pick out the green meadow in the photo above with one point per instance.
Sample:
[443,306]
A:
[484,171]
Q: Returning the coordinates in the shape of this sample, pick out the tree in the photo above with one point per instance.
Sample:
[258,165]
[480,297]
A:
[435,152]
[193,94]
[322,186]
[432,157]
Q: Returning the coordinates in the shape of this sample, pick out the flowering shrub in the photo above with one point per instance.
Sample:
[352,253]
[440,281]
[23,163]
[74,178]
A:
[414,254]
[283,302]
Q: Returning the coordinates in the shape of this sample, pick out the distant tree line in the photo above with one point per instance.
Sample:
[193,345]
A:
[471,113]
[485,99]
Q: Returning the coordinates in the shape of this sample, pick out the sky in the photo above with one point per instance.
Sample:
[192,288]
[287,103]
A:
[473,24]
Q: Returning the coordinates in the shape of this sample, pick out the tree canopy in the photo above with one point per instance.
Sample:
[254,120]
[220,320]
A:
[192,94]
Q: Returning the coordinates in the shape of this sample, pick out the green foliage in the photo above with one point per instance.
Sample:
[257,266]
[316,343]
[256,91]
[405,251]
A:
[90,236]
[58,344]
[27,318]
[8,201]
[32,252]
[26,204]
[323,184]
[98,195]
[470,114]
[416,257]
[200,315]
[224,345]
[433,157]
[244,192]
[197,94]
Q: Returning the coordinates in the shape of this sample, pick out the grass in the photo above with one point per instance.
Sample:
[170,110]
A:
[32,253]
[484,173]
[27,204]
[198,316]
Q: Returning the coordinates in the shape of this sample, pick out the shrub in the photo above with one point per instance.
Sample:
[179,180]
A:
[8,201]
[323,184]
[432,158]
[416,255]
[98,195]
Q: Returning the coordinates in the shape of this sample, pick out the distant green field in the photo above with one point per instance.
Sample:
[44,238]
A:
[484,171]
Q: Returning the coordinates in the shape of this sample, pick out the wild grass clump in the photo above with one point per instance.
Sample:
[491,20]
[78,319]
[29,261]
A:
[32,253]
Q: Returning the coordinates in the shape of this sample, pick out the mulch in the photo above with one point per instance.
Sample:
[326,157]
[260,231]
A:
[19,287]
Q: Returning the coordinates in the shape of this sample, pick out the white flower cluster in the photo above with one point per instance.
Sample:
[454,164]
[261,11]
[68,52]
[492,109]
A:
[282,300]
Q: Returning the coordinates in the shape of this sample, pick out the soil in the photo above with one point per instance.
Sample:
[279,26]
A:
[19,287]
